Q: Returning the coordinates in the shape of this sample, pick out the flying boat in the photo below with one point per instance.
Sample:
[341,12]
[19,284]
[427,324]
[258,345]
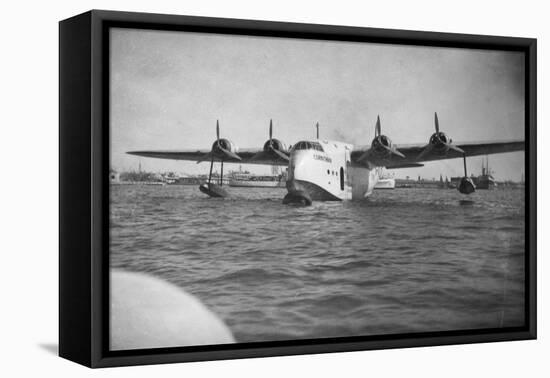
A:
[329,170]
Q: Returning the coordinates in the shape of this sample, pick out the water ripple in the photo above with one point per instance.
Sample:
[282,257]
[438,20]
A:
[402,261]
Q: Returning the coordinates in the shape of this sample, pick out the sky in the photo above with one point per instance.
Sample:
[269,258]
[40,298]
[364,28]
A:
[168,89]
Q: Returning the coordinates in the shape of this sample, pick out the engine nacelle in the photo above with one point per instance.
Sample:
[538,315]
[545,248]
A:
[276,144]
[440,142]
[226,144]
[381,145]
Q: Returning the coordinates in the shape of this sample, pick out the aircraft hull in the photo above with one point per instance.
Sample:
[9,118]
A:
[314,191]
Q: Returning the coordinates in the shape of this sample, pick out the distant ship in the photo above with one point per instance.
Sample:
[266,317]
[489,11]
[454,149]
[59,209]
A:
[483,181]
[385,182]
[486,179]
[245,179]
[258,182]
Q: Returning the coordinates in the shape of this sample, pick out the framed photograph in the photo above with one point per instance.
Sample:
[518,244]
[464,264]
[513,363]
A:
[234,188]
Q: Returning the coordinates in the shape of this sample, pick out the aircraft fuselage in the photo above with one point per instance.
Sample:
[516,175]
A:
[323,170]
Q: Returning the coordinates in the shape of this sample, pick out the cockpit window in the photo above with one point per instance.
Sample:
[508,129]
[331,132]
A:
[308,146]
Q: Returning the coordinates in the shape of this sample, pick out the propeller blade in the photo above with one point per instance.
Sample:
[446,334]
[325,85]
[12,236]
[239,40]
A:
[436,123]
[282,155]
[457,149]
[425,151]
[266,155]
[230,154]
[270,131]
[395,151]
[218,131]
[378,128]
[206,157]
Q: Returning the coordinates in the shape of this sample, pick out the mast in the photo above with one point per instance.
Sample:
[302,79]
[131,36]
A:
[317,126]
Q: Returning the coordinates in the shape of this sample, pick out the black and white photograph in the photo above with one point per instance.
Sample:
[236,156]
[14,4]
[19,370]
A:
[271,189]
[275,189]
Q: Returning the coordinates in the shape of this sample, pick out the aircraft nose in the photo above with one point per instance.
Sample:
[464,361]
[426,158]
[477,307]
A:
[295,165]
[297,193]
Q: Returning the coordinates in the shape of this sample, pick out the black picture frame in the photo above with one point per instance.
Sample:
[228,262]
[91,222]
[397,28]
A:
[84,188]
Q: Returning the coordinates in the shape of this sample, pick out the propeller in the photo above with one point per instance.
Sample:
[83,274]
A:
[269,147]
[438,142]
[281,154]
[381,145]
[219,148]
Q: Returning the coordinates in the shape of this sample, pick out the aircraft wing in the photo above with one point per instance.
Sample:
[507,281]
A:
[412,152]
[205,156]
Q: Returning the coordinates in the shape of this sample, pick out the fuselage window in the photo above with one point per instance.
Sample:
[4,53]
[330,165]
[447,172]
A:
[308,146]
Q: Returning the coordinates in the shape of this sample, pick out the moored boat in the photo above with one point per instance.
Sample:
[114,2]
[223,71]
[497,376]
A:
[253,181]
[385,182]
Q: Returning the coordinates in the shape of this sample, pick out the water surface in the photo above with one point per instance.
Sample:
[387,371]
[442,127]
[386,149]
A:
[406,260]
